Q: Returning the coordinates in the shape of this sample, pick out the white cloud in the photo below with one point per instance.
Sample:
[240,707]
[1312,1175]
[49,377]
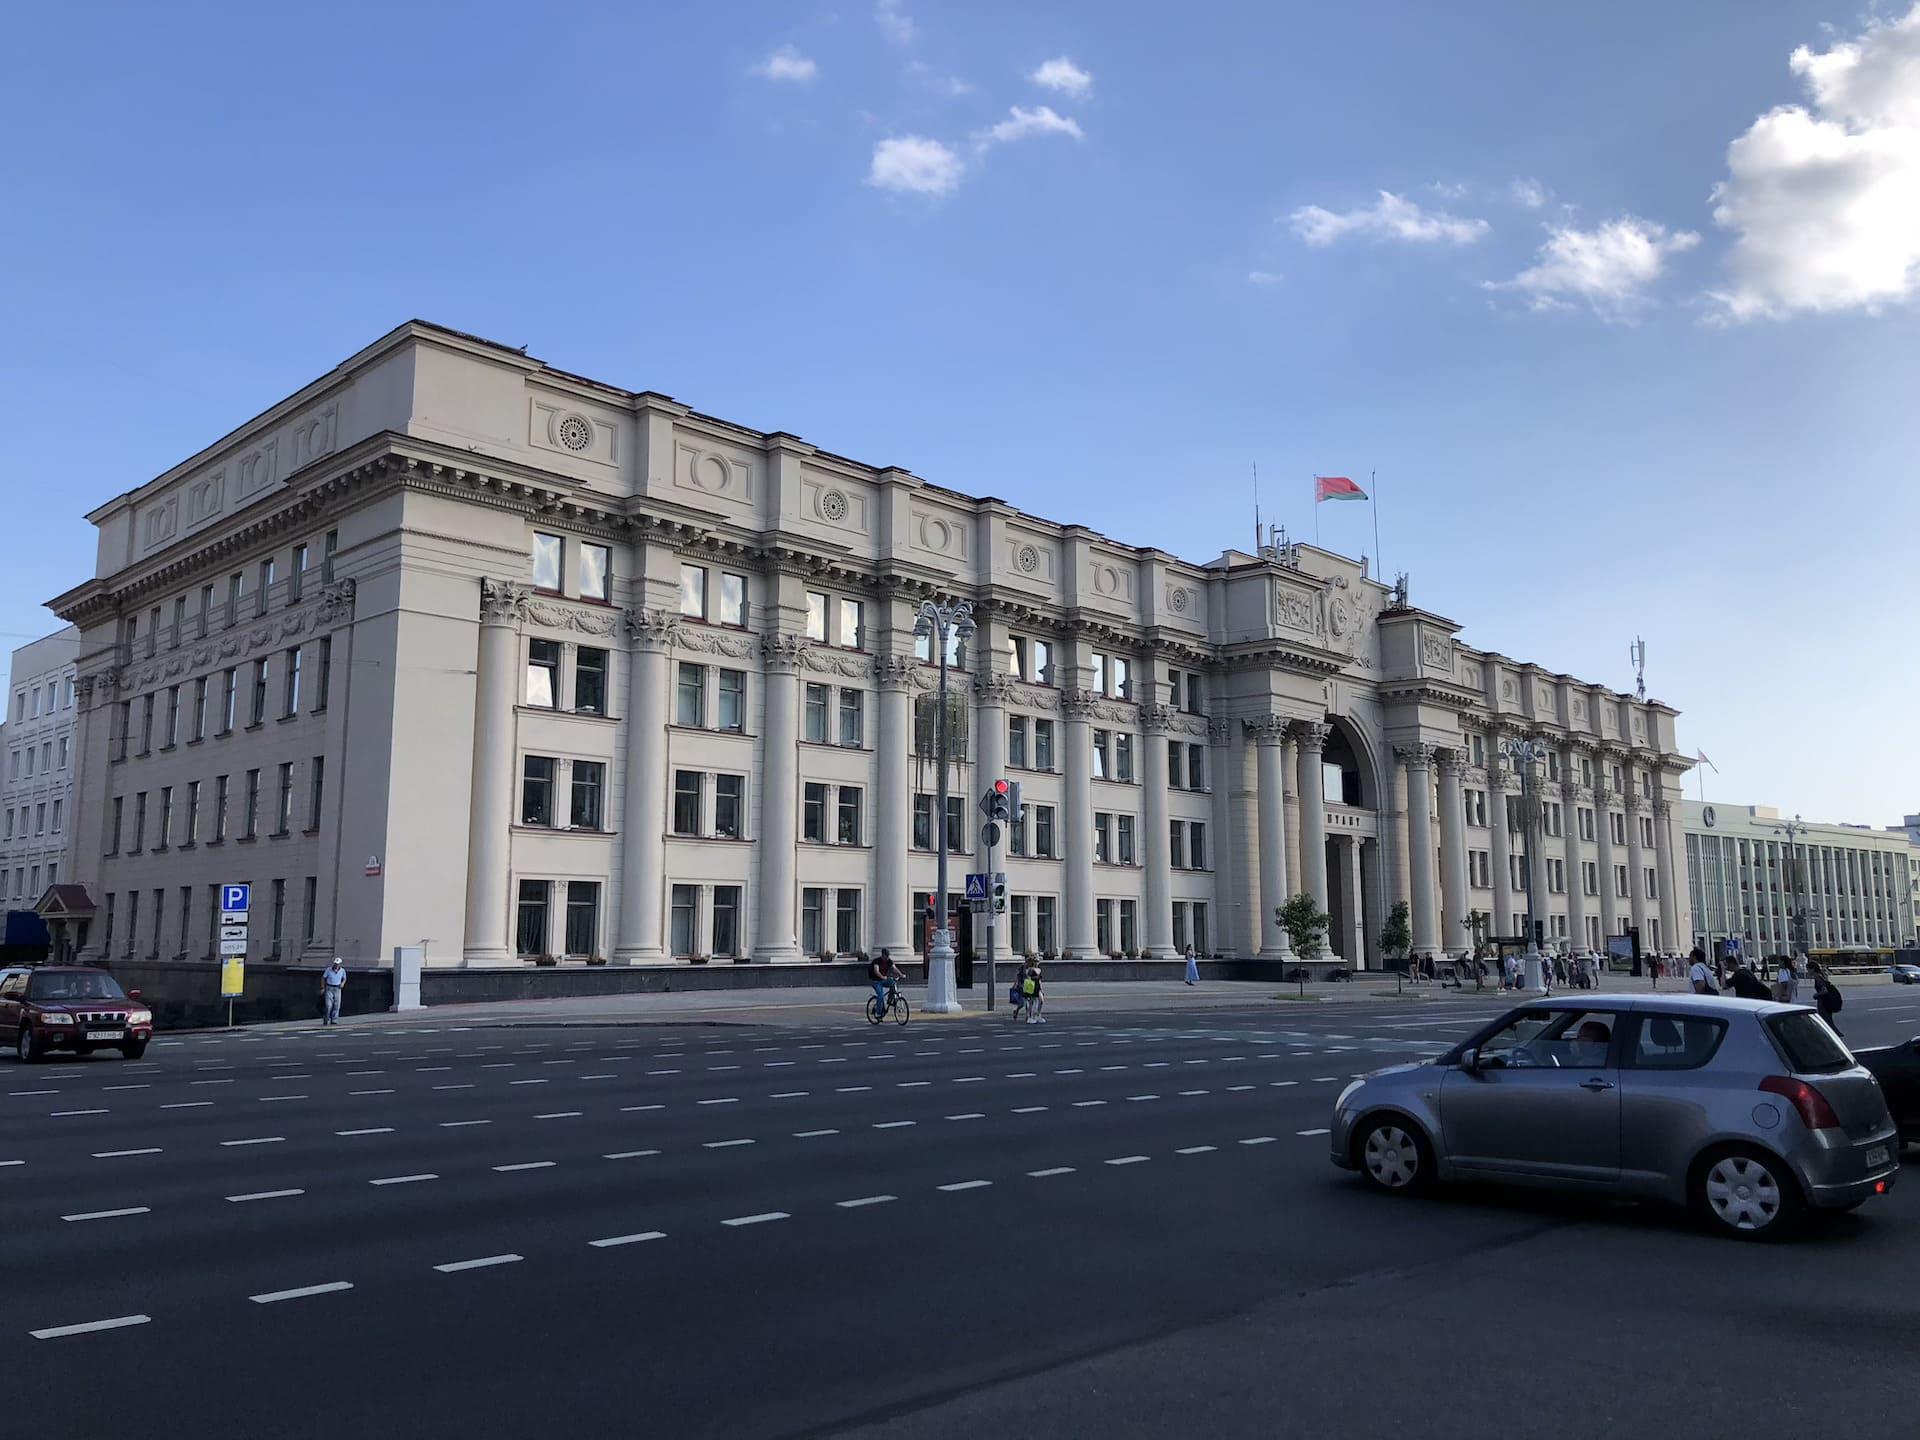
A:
[1019,124]
[1610,267]
[1530,193]
[1392,217]
[1063,75]
[787,63]
[952,86]
[894,22]
[1263,277]
[915,165]
[1824,200]
[1449,189]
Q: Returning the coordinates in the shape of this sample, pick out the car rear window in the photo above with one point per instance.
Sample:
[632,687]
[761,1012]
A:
[1810,1047]
[1675,1042]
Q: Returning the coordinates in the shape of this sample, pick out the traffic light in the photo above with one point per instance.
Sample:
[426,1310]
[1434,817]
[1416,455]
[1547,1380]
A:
[1016,811]
[999,894]
[993,804]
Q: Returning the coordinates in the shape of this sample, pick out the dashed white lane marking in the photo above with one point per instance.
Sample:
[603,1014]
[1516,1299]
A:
[63,1114]
[583,1077]
[264,1195]
[1258,1140]
[969,1115]
[121,1154]
[968,1079]
[1282,1084]
[789,1095]
[1128,1160]
[132,1087]
[369,1092]
[912,1084]
[1325,1079]
[628,1155]
[369,1074]
[228,1081]
[1087,1104]
[379,1130]
[965,1185]
[1029,1109]
[560,1115]
[1232,1088]
[723,1100]
[1020,1074]
[613,1240]
[1048,1174]
[186,1105]
[467,1086]
[1069,1072]
[894,1124]
[723,1144]
[1143,1097]
[402,1179]
[256,1140]
[850,1089]
[453,1266]
[273,1297]
[268,1099]
[1193,1092]
[757,1219]
[529,1082]
[865,1200]
[1197,1150]
[108,1214]
[1308,1132]
[22,1094]
[118,1323]
[630,1109]
[812,1134]
[1113,1067]
[524,1165]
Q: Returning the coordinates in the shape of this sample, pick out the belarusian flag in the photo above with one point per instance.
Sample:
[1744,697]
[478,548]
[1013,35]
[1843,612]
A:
[1335,487]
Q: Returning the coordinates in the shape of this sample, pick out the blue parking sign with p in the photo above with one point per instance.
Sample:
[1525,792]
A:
[234,899]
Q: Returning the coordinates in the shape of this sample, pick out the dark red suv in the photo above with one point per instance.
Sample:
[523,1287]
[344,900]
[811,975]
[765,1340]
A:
[70,1007]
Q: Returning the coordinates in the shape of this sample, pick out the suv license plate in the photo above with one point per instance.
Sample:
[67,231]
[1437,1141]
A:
[118,1035]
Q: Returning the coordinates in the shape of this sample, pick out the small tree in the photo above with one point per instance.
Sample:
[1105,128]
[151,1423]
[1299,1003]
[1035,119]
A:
[1396,936]
[1305,922]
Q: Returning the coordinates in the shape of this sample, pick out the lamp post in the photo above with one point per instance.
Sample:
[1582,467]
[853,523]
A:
[1794,829]
[941,622]
[1523,755]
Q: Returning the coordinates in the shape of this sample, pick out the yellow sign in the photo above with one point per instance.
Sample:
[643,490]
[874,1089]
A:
[233,976]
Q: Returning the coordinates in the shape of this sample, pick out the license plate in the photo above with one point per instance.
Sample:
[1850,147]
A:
[117,1035]
[1877,1155]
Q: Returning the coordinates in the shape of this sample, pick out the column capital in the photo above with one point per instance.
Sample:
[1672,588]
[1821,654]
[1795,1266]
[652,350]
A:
[994,688]
[1635,801]
[652,629]
[1267,729]
[1452,761]
[895,672]
[1156,719]
[782,652]
[502,602]
[1416,757]
[1661,807]
[1079,704]
[1219,733]
[1311,734]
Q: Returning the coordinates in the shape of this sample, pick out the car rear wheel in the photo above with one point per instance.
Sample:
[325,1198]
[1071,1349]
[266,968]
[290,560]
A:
[1748,1194]
[1394,1156]
[134,1049]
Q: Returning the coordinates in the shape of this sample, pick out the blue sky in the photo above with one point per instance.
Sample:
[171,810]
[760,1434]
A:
[1097,259]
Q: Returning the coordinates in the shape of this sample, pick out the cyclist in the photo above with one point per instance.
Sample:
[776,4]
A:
[884,975]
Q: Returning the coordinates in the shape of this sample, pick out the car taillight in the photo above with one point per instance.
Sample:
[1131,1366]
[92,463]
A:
[1815,1112]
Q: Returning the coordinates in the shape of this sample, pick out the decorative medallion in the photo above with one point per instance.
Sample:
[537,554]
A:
[1178,600]
[1027,557]
[574,431]
[1707,815]
[1338,616]
[833,504]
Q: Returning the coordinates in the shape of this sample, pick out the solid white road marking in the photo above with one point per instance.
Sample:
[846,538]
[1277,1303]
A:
[275,1296]
[402,1179]
[456,1265]
[108,1214]
[57,1331]
[264,1195]
[865,1200]
[965,1185]
[757,1219]
[613,1240]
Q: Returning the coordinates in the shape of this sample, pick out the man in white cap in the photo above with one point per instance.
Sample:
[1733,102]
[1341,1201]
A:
[332,981]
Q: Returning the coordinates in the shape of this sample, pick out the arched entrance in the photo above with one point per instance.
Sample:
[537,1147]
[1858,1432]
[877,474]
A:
[1351,782]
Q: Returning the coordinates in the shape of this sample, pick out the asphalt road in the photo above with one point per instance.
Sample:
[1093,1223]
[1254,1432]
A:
[1121,1224]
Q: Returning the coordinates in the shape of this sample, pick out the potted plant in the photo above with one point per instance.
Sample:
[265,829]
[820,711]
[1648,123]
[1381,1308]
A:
[547,960]
[1133,952]
[696,959]
[596,960]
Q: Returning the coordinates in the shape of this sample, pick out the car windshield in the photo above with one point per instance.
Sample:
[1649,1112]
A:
[1810,1046]
[75,985]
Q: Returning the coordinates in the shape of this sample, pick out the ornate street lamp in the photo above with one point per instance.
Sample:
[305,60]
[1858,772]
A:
[942,622]
[1794,829]
[1523,756]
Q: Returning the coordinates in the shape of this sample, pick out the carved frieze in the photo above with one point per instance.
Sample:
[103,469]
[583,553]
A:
[708,640]
[1294,609]
[845,663]
[1436,649]
[586,619]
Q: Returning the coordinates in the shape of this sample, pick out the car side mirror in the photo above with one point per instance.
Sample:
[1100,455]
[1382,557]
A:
[1470,1060]
[133,994]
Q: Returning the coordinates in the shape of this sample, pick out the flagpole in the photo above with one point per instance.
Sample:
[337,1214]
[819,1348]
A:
[1373,498]
[1316,512]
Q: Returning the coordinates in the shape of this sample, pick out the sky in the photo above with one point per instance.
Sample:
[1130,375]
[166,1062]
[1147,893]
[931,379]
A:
[1612,307]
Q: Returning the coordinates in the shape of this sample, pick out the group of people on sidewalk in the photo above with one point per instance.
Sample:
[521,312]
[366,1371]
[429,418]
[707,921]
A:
[1785,989]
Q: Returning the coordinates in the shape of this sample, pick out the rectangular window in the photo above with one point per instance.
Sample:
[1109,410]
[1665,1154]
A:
[686,802]
[1620,881]
[278,914]
[263,591]
[316,790]
[173,716]
[957,828]
[1589,878]
[297,574]
[726,920]
[589,681]
[146,723]
[690,707]
[1176,764]
[813,907]
[1043,744]
[166,819]
[186,917]
[1102,838]
[133,920]
[235,589]
[283,804]
[293,683]
[64,755]
[733,598]
[1177,844]
[848,830]
[250,817]
[596,575]
[543,673]
[1103,926]
[732,700]
[1043,832]
[693,591]
[846,921]
[1019,908]
[530,920]
[728,805]
[261,675]
[922,822]
[686,905]
[851,717]
[853,627]
[1102,766]
[1129,926]
[219,808]
[1123,757]
[547,554]
[1043,937]
[813,812]
[229,702]
[536,790]
[327,552]
[309,906]
[206,609]
[583,912]
[819,701]
[589,787]
[326,673]
[56,814]
[1017,835]
[1123,839]
[139,824]
[1017,740]
[1122,670]
[199,731]
[1197,844]
[817,616]
[1196,704]
[1098,665]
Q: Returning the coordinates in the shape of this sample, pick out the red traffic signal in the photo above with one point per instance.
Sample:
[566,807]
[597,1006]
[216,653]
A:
[1000,787]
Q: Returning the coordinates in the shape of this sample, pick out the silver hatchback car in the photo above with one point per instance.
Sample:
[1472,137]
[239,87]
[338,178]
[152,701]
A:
[1749,1111]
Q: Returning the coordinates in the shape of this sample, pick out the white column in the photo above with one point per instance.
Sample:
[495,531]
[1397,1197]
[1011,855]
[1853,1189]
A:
[1454,936]
[1603,819]
[644,813]
[1267,732]
[891,922]
[1155,722]
[774,928]
[1672,936]
[1419,760]
[1373,896]
[1501,858]
[1290,768]
[1637,863]
[1313,811]
[490,819]
[1224,932]
[1077,827]
[1576,894]
[1354,886]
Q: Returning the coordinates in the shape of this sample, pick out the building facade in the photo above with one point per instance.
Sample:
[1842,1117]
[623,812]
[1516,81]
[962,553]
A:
[38,747]
[1748,877]
[452,648]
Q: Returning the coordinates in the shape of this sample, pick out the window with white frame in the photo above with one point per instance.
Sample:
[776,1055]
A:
[548,553]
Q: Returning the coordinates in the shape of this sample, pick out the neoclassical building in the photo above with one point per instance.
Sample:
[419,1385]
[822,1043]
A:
[453,648]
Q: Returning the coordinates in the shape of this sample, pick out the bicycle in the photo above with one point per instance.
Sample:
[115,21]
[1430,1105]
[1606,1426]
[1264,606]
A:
[896,1006]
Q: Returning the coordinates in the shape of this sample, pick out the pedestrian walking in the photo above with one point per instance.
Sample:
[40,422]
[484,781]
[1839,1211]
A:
[1826,995]
[1193,967]
[1032,1000]
[332,981]
[1785,983]
[1700,974]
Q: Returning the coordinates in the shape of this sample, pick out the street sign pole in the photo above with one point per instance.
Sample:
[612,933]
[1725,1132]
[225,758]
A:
[993,973]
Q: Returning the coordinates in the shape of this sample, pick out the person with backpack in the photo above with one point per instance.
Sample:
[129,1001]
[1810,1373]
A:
[1700,974]
[1826,996]
[1031,999]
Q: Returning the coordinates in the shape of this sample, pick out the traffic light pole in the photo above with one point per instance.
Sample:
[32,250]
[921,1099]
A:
[993,975]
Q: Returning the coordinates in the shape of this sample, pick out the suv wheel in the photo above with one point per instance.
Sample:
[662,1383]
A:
[134,1049]
[1394,1156]
[1748,1194]
[24,1046]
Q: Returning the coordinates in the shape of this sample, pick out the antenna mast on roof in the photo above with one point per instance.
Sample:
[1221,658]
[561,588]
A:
[1259,531]
[1637,652]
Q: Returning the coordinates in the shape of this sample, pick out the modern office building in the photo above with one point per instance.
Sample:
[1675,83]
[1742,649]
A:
[1748,875]
[38,748]
[456,649]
